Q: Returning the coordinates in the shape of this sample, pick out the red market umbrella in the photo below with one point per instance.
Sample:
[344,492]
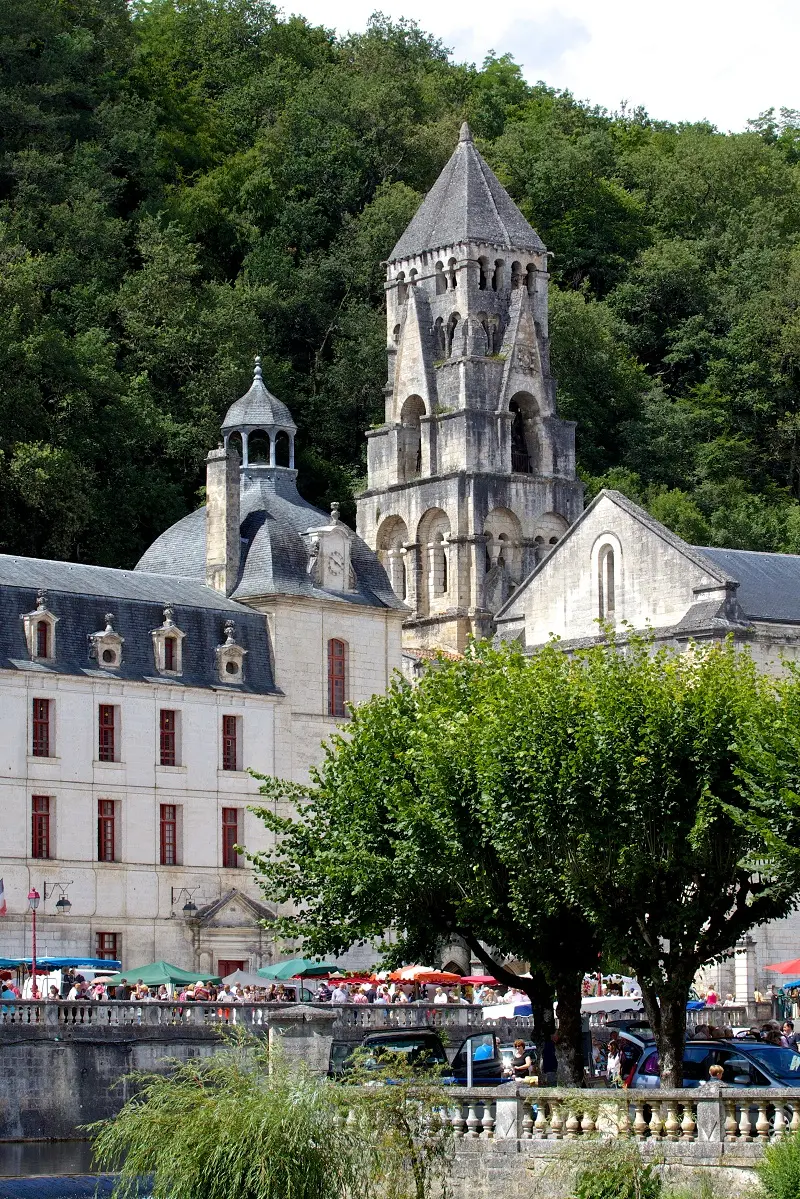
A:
[479,980]
[423,974]
[791,967]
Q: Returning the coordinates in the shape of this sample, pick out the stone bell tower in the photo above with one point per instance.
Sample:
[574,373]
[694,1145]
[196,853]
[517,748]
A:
[472,476]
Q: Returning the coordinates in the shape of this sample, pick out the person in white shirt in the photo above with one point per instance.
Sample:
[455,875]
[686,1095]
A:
[440,996]
[340,994]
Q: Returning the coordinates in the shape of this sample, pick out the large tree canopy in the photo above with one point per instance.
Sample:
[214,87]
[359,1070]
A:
[184,183]
[646,803]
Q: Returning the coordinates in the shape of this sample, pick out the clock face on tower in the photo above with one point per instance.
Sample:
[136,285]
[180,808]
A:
[336,563]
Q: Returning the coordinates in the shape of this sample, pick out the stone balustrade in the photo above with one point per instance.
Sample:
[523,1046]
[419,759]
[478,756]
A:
[360,1018]
[710,1114]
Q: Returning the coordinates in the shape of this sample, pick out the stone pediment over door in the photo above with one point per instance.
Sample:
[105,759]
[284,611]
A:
[234,909]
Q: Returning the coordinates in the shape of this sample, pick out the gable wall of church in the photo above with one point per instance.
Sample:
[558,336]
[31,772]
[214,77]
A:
[653,581]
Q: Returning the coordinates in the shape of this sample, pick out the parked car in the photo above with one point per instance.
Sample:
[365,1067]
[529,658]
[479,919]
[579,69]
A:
[744,1064]
[424,1050]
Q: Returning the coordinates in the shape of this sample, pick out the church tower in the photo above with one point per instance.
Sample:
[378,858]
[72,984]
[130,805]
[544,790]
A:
[471,478]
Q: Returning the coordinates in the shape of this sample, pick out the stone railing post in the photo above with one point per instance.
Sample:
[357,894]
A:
[508,1115]
[303,1033]
[710,1113]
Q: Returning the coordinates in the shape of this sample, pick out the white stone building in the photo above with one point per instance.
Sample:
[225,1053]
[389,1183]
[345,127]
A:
[133,704]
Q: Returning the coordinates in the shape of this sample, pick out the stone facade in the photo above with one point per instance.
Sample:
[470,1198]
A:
[471,479]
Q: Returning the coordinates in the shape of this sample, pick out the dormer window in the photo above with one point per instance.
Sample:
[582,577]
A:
[168,645]
[40,630]
[230,656]
[106,646]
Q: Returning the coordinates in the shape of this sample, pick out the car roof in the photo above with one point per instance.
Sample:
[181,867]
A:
[402,1033]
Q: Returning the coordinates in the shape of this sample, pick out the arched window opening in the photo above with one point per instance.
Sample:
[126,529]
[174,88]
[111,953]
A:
[337,677]
[258,448]
[439,338]
[496,335]
[412,276]
[396,334]
[605,583]
[410,438]
[282,449]
[483,277]
[452,323]
[441,279]
[433,534]
[402,289]
[516,275]
[497,277]
[503,534]
[390,544]
[451,273]
[553,541]
[235,442]
[520,458]
[42,639]
[530,278]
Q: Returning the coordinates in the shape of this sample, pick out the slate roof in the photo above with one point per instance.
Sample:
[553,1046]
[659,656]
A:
[769,584]
[467,203]
[81,595]
[258,408]
[274,555]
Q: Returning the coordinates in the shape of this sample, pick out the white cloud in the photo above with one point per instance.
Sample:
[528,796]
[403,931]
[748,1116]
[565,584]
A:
[722,60]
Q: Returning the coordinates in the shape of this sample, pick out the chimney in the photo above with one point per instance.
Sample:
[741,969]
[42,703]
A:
[223,545]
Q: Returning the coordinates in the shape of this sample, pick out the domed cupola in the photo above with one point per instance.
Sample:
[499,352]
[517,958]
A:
[260,426]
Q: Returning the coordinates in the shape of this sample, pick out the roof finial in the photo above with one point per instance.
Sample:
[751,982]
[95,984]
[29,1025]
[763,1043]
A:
[465,134]
[257,371]
[335,512]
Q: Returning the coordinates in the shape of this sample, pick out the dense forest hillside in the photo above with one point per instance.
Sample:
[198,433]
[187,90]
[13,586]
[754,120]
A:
[188,182]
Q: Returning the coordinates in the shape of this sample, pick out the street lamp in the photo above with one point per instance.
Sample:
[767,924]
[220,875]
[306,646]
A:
[33,903]
[190,907]
[63,905]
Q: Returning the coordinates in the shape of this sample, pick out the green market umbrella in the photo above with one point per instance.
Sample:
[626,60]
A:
[296,968]
[157,973]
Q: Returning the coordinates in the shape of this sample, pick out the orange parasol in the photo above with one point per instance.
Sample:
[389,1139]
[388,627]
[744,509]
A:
[423,974]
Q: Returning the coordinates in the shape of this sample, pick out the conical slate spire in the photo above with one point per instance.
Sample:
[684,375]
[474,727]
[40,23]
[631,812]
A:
[467,203]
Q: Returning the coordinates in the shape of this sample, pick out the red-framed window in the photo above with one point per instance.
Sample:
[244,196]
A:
[170,653]
[230,743]
[169,737]
[42,639]
[106,744]
[230,837]
[337,664]
[40,826]
[106,947]
[41,728]
[169,834]
[106,830]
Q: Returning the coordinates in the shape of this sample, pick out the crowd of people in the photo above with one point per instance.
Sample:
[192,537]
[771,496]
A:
[342,991]
[771,1032]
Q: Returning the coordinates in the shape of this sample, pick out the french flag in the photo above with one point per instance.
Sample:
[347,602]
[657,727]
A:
[3,906]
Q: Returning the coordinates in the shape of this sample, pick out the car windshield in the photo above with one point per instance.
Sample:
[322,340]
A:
[783,1064]
[416,1049]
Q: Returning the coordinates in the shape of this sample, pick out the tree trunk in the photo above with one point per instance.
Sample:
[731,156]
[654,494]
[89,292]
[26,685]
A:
[667,1016]
[569,1047]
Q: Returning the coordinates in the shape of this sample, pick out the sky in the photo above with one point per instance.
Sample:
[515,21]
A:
[682,60]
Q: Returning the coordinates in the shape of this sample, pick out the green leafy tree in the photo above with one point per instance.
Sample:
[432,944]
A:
[662,788]
[394,834]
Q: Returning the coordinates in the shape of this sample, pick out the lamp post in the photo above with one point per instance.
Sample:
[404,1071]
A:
[33,903]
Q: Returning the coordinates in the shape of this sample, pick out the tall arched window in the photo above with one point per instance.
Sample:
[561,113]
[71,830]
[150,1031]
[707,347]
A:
[605,583]
[441,279]
[337,677]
